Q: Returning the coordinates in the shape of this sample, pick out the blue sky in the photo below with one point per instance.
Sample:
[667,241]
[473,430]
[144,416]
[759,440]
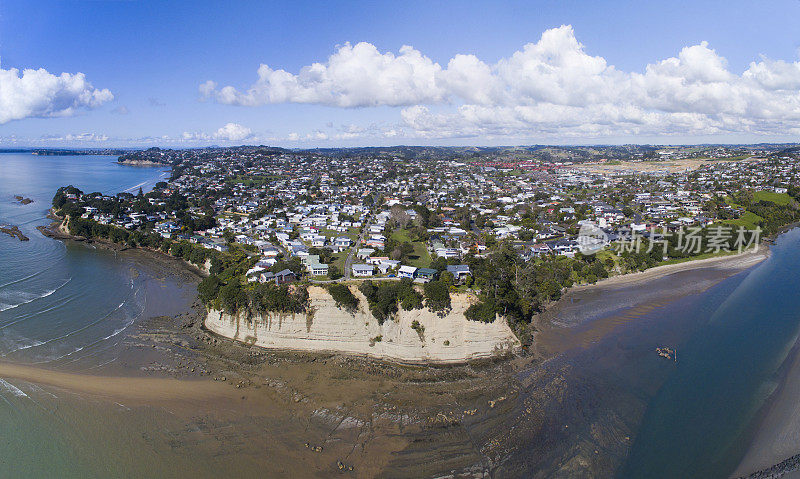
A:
[596,72]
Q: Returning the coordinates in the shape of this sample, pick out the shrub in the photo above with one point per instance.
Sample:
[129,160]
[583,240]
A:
[420,329]
[482,311]
[208,289]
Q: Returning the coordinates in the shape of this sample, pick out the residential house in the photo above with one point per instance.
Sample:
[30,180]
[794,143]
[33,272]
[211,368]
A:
[407,271]
[362,270]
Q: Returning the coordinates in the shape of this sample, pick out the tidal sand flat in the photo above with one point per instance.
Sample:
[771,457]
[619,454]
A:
[776,437]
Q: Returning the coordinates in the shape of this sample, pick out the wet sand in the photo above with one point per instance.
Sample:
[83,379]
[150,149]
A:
[171,400]
[589,312]
[775,445]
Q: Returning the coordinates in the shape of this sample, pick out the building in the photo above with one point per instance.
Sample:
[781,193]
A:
[317,269]
[407,272]
[387,265]
[425,275]
[362,270]
[459,271]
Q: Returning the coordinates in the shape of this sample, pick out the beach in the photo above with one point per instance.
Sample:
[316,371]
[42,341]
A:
[566,324]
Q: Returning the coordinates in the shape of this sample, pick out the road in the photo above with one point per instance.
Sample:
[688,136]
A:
[348,263]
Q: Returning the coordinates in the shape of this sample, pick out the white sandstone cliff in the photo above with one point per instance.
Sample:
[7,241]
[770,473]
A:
[325,327]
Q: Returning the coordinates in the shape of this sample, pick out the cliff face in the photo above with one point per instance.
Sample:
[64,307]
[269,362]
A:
[325,327]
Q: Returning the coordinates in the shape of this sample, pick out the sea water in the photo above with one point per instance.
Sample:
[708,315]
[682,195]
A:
[62,301]
[697,424]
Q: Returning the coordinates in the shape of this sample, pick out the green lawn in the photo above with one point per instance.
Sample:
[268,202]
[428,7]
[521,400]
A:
[423,258]
[420,258]
[252,181]
[401,236]
[777,198]
[748,220]
[351,233]
[339,259]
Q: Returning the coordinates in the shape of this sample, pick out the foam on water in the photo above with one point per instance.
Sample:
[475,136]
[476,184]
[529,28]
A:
[29,298]
[12,389]
[21,279]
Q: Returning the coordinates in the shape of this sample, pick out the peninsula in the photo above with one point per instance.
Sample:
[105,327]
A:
[438,260]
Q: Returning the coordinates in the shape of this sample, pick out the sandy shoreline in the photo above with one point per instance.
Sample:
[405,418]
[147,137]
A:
[775,446]
[734,261]
[586,313]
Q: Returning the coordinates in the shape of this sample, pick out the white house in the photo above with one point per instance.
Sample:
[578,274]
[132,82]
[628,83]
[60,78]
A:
[362,270]
[318,269]
[387,264]
[407,271]
[341,243]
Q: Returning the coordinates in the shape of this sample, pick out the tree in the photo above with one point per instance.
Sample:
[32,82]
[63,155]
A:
[228,235]
[344,298]
[437,296]
[208,288]
[232,297]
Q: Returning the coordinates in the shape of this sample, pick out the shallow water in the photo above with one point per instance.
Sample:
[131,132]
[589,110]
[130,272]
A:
[698,423]
[61,301]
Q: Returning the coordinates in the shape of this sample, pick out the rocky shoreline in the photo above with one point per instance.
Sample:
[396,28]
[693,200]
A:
[777,471]
[144,163]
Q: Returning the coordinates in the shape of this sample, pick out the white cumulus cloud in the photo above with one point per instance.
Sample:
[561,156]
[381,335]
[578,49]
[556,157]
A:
[38,93]
[354,76]
[233,132]
[229,132]
[549,88]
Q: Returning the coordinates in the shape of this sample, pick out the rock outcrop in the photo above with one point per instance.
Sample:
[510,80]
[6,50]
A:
[325,327]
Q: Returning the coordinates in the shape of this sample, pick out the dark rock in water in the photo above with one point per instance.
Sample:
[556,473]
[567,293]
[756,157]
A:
[14,232]
[22,200]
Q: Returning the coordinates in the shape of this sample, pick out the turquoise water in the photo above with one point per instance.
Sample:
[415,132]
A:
[59,303]
[73,307]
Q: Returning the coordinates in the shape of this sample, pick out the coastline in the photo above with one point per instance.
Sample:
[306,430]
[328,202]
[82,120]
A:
[586,313]
[56,230]
[712,270]
[742,260]
[396,406]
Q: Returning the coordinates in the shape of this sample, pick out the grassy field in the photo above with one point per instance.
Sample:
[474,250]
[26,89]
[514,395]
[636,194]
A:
[694,258]
[351,233]
[777,198]
[339,260]
[747,220]
[420,258]
[252,181]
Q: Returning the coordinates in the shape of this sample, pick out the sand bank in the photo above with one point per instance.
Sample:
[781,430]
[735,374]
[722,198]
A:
[730,262]
[777,436]
[587,313]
